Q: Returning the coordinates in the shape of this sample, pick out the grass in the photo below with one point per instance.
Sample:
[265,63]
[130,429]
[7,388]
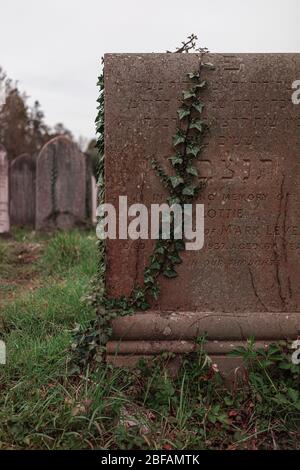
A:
[42,407]
[5,255]
[66,250]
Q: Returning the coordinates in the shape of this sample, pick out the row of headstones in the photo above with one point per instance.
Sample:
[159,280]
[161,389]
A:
[55,191]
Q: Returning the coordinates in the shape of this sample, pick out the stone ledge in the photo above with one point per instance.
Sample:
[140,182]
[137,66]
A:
[153,348]
[186,326]
[230,368]
[146,335]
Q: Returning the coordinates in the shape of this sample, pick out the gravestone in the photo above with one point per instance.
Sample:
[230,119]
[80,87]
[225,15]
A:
[60,186]
[22,190]
[245,281]
[4,192]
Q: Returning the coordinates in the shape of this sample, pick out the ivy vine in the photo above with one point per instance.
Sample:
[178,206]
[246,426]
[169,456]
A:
[183,187]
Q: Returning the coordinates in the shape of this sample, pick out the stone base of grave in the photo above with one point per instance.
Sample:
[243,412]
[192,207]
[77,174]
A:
[5,235]
[145,335]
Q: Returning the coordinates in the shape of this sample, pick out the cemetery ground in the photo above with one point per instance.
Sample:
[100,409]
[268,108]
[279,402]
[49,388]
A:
[43,284]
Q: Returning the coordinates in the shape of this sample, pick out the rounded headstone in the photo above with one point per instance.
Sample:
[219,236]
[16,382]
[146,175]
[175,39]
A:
[60,186]
[22,190]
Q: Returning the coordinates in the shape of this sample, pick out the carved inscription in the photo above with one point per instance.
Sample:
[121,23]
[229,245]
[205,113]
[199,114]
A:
[249,167]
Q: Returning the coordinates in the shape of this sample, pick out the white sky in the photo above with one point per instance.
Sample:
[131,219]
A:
[53,47]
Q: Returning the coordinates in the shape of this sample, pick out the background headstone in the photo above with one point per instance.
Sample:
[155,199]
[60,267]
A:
[22,190]
[4,192]
[247,275]
[94,193]
[91,192]
[60,186]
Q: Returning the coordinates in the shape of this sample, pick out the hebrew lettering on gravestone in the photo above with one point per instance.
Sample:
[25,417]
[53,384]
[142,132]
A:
[60,186]
[245,281]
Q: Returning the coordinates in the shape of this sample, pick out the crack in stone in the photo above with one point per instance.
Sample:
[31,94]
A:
[241,329]
[290,287]
[255,291]
[138,251]
[284,226]
[276,248]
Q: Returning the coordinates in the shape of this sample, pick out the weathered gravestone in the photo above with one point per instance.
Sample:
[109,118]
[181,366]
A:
[60,186]
[22,190]
[245,281]
[4,192]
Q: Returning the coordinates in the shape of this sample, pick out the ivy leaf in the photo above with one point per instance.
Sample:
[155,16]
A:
[198,106]
[160,250]
[179,245]
[192,170]
[187,94]
[170,273]
[183,113]
[179,138]
[193,75]
[173,200]
[188,191]
[155,265]
[155,292]
[201,85]
[144,306]
[160,247]
[193,149]
[209,65]
[197,124]
[175,258]
[149,279]
[176,159]
[139,294]
[176,181]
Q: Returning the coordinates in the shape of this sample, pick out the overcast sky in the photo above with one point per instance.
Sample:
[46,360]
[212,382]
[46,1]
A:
[53,47]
